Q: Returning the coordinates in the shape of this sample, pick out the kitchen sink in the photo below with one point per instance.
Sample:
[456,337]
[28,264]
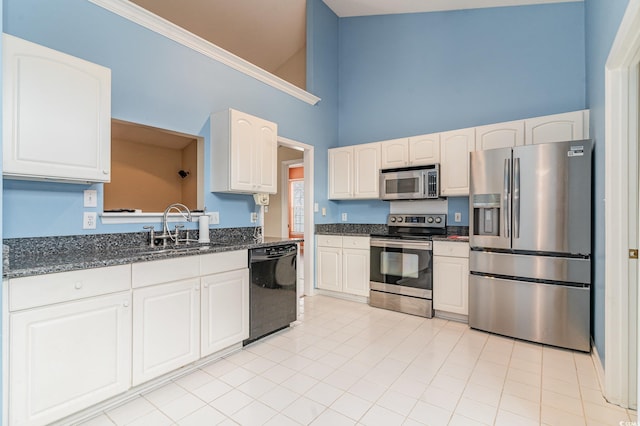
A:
[178,249]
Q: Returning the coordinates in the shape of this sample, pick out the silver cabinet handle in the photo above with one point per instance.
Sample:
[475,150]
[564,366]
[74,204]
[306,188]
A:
[506,196]
[516,198]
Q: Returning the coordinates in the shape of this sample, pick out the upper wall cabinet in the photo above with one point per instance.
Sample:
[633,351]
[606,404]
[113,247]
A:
[354,172]
[408,152]
[556,128]
[501,135]
[57,115]
[454,166]
[244,151]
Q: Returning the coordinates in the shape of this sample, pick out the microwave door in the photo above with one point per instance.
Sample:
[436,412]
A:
[490,199]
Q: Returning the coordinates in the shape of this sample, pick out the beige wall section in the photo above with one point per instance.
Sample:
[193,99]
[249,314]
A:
[189,185]
[146,177]
[295,69]
[273,217]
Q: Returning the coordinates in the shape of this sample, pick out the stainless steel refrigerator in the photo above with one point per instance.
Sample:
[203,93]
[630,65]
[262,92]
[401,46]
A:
[530,238]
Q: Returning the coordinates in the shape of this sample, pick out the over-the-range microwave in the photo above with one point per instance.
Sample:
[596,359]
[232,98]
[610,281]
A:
[410,183]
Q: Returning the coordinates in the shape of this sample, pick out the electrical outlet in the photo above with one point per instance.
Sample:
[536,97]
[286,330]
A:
[214,218]
[315,207]
[457,217]
[324,211]
[89,220]
[344,217]
[254,217]
[90,198]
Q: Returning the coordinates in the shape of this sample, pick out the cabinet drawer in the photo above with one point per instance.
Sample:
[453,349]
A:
[164,271]
[221,262]
[329,241]
[29,292]
[355,242]
[451,249]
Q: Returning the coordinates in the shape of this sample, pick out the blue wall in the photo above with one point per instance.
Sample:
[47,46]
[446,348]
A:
[412,74]
[159,83]
[603,18]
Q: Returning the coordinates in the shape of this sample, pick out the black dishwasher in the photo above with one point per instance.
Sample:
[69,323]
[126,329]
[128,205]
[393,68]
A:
[272,291]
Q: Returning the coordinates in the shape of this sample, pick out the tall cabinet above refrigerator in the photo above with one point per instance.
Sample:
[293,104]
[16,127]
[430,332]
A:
[530,237]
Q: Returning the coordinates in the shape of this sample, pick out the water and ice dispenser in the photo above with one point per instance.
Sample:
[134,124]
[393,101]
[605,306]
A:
[486,214]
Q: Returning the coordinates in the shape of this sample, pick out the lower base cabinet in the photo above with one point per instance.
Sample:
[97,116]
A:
[68,356]
[166,328]
[343,264]
[224,310]
[451,277]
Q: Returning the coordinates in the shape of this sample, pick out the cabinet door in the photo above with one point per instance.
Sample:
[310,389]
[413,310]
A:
[166,328]
[455,147]
[451,284]
[242,151]
[501,135]
[366,170]
[394,153]
[424,149]
[266,157]
[329,267]
[57,115]
[355,271]
[66,357]
[555,128]
[341,173]
[224,310]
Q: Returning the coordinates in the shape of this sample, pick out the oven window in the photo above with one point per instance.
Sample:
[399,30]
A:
[402,186]
[399,264]
[402,266]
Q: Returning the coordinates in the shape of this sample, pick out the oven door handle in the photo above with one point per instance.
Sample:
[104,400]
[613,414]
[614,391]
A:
[425,245]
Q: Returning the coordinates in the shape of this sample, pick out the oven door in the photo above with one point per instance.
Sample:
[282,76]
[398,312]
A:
[402,267]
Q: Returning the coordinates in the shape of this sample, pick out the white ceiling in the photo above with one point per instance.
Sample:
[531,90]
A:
[345,8]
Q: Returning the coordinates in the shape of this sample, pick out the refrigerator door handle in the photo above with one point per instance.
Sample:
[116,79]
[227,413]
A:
[516,198]
[506,197]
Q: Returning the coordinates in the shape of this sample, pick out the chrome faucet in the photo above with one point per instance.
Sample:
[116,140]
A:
[180,208]
[166,233]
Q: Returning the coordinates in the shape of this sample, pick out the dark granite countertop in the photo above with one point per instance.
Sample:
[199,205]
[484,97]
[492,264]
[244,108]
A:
[76,257]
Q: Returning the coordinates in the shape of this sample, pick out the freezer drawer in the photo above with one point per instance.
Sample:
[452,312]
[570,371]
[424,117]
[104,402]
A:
[564,269]
[545,313]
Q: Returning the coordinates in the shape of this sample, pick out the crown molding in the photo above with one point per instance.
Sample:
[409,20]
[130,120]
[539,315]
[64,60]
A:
[155,23]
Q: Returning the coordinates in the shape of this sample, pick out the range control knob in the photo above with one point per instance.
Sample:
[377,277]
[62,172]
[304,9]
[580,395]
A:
[438,219]
[430,219]
[400,219]
[392,219]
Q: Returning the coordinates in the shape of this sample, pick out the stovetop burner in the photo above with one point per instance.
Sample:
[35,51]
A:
[415,226]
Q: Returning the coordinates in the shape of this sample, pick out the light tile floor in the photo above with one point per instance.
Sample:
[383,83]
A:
[348,364]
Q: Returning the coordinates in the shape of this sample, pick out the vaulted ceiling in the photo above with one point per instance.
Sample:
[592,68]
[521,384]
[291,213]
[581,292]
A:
[268,33]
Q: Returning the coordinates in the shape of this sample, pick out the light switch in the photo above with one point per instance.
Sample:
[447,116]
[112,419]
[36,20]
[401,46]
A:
[90,198]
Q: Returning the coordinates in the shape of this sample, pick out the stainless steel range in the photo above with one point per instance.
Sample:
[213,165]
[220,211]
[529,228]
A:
[402,263]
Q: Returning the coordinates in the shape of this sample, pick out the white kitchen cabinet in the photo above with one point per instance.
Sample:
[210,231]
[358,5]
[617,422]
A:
[224,310]
[166,328]
[451,277]
[343,264]
[354,172]
[56,115]
[455,147]
[244,153]
[68,356]
[424,149]
[410,152]
[501,135]
[394,153]
[556,128]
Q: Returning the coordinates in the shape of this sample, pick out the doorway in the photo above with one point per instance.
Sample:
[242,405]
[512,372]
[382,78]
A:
[276,217]
[622,235]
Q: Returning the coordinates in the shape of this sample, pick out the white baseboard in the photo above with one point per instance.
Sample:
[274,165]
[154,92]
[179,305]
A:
[597,363]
